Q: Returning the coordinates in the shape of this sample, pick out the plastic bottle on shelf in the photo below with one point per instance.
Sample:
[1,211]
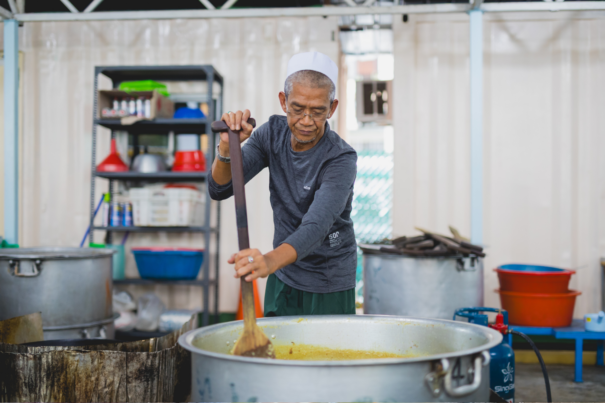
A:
[106,211]
[116,214]
[127,214]
[124,105]
[140,110]
[132,107]
[147,108]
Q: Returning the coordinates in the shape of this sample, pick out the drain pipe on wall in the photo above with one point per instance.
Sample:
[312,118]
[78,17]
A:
[476,120]
[11,131]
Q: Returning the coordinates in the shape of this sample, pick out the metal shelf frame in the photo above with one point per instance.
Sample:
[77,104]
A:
[156,176]
[367,8]
[157,229]
[156,126]
[143,281]
[207,73]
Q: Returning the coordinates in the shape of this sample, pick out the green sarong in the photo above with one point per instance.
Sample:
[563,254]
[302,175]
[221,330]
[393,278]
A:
[283,300]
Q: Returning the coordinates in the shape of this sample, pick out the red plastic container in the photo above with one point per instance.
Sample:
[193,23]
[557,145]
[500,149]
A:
[189,161]
[533,279]
[539,310]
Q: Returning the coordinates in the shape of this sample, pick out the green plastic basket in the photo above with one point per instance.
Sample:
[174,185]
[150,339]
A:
[144,85]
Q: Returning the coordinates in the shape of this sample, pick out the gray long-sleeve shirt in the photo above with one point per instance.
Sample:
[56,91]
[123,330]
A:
[311,196]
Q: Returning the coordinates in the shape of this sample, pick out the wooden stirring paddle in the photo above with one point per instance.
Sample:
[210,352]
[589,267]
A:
[253,342]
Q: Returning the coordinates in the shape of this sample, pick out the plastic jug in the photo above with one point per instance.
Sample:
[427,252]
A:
[594,322]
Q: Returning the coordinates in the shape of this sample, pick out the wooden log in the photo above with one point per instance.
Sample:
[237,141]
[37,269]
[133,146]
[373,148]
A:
[427,244]
[452,245]
[154,370]
[413,252]
[457,235]
[391,249]
[398,240]
[471,246]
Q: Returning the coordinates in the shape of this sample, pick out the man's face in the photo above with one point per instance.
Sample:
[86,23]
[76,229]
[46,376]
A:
[302,102]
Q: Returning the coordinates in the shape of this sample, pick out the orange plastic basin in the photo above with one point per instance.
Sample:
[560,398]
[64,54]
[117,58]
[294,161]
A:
[540,310]
[533,279]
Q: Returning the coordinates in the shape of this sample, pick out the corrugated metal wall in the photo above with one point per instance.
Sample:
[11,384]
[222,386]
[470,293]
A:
[544,126]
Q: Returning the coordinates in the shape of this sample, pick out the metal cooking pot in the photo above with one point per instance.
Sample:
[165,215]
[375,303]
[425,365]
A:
[148,163]
[429,287]
[450,361]
[71,287]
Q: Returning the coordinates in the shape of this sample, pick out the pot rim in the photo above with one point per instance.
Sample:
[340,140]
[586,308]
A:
[377,253]
[494,338]
[105,321]
[55,253]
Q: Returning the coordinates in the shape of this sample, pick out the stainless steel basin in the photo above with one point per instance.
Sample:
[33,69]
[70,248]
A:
[449,361]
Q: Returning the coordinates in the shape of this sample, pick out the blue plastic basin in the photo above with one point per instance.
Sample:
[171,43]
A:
[530,268]
[168,263]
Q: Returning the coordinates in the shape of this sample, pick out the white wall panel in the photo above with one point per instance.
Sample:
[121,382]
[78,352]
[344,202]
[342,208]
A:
[544,171]
[544,96]
[58,80]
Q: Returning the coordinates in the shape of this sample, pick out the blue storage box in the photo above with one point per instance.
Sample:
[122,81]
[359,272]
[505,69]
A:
[188,113]
[168,263]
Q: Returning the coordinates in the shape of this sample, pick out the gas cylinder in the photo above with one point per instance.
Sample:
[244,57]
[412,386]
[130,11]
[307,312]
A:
[502,364]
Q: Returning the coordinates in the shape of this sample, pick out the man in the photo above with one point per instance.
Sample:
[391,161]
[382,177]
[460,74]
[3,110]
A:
[312,266]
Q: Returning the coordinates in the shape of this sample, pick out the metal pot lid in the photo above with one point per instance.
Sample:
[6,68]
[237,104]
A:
[55,253]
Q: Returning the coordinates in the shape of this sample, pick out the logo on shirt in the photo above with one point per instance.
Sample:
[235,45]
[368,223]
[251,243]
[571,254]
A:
[334,239]
[307,187]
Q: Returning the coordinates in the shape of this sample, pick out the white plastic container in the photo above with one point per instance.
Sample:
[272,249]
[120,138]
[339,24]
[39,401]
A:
[594,322]
[187,142]
[173,207]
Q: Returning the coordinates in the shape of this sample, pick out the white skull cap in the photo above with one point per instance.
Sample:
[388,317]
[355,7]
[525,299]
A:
[313,61]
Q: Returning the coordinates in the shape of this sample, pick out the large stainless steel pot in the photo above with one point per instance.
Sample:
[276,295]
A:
[451,362]
[72,287]
[428,287]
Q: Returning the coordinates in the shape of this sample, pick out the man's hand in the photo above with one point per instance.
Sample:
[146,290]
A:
[237,121]
[258,267]
[262,265]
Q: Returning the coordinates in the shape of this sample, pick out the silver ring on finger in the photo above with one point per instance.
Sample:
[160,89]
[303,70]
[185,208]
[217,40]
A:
[250,259]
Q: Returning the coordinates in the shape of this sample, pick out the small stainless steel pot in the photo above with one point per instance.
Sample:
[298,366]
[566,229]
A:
[148,163]
[450,361]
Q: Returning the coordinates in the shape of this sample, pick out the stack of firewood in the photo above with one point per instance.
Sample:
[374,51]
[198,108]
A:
[431,244]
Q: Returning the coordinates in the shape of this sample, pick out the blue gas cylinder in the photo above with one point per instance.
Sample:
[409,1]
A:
[502,364]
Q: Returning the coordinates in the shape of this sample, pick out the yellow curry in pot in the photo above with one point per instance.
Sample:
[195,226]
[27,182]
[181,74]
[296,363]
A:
[308,352]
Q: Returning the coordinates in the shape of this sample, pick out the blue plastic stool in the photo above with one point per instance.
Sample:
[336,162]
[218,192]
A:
[576,332]
[531,331]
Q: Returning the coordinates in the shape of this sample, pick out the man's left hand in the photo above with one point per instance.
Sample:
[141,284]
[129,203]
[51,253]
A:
[258,266]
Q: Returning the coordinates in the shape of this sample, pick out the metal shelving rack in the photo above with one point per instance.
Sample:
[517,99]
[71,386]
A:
[207,73]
